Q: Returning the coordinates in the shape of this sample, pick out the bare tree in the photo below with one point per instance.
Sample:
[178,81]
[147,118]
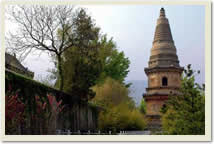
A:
[44,28]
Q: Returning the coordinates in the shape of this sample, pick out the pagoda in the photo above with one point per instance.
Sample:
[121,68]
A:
[163,71]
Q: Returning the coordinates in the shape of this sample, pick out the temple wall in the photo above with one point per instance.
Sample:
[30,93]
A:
[83,118]
[76,115]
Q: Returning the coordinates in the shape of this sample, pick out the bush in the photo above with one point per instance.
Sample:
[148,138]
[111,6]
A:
[14,113]
[19,119]
[119,112]
[112,93]
[121,118]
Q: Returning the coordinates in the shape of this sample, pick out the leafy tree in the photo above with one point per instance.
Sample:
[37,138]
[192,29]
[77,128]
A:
[116,66]
[185,113]
[92,59]
[81,63]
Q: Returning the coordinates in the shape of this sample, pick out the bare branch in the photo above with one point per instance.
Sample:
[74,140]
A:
[38,28]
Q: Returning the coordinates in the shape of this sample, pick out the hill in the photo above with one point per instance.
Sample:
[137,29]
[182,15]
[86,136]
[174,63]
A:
[137,89]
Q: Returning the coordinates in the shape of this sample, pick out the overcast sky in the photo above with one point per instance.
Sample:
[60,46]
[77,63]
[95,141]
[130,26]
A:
[132,28]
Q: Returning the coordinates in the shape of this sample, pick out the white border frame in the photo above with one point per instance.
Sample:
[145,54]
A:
[206,137]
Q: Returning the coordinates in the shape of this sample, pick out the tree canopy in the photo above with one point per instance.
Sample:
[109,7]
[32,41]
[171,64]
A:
[91,60]
[116,66]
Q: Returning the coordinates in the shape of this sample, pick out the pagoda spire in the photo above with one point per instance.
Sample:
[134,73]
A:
[163,52]
[163,32]
[162,12]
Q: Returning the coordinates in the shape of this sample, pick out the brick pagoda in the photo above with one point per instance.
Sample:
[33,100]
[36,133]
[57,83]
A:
[163,72]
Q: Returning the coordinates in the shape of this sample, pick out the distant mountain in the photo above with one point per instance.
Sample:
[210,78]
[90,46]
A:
[137,89]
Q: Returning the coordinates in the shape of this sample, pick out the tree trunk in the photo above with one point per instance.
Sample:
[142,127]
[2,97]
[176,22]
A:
[60,73]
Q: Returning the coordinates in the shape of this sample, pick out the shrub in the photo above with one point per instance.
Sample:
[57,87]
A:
[112,93]
[19,118]
[121,118]
[119,112]
[14,113]
[46,113]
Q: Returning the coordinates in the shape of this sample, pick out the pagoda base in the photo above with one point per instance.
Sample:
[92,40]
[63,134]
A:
[153,122]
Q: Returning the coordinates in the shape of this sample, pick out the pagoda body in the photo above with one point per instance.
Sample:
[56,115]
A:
[163,72]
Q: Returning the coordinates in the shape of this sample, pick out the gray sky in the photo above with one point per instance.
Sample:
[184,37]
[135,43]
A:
[132,28]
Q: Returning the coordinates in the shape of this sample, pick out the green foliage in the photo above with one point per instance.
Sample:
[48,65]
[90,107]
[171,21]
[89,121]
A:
[80,72]
[143,106]
[184,114]
[119,111]
[121,118]
[112,93]
[81,65]
[116,66]
[91,60]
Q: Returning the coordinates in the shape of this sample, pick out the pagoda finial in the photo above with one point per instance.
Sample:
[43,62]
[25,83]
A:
[162,12]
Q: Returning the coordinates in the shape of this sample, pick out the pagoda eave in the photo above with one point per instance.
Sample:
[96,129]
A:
[155,96]
[163,69]
[162,87]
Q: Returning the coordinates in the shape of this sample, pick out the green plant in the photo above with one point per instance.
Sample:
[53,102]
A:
[184,114]
[119,111]
[121,118]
